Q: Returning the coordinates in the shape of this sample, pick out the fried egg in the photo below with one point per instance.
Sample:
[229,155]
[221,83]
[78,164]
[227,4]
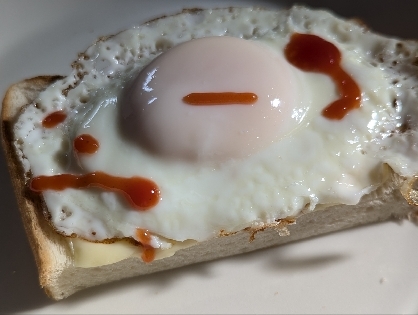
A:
[262,150]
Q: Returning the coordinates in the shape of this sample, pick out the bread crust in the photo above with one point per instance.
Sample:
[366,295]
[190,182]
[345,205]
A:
[41,235]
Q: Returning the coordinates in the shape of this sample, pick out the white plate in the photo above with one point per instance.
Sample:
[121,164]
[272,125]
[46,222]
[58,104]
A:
[372,269]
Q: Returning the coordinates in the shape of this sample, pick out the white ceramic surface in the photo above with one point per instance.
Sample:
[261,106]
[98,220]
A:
[372,269]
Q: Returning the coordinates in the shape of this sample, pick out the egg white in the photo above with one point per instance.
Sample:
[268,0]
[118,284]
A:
[321,162]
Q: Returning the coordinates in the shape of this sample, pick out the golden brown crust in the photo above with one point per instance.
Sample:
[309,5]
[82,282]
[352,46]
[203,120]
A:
[23,93]
[38,230]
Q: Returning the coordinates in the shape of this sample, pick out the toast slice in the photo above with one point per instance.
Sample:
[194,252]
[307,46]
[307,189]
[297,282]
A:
[60,277]
[61,273]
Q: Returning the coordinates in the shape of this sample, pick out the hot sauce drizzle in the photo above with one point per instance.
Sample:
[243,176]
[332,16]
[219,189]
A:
[312,53]
[144,237]
[86,144]
[224,98]
[142,193]
[54,119]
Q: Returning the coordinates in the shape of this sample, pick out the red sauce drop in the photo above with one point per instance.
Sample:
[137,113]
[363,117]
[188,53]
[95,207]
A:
[314,54]
[224,98]
[144,237]
[86,144]
[142,193]
[54,119]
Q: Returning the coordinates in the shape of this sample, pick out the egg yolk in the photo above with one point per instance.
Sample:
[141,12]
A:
[251,85]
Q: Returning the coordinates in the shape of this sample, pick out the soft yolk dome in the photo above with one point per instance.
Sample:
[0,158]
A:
[155,115]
